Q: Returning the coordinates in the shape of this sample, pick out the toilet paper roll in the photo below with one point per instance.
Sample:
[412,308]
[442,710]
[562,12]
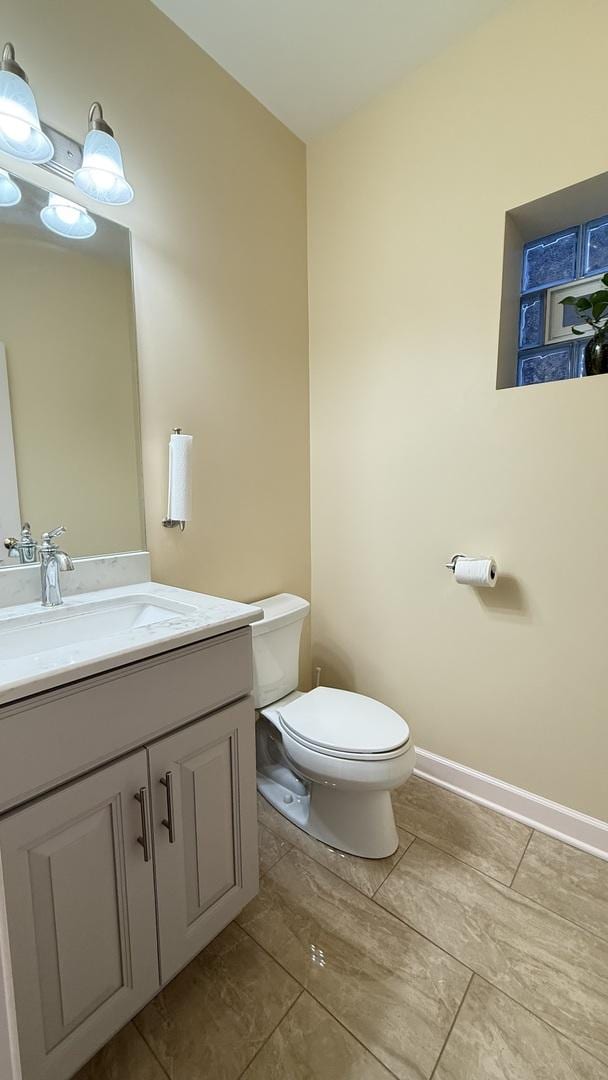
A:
[180,478]
[479,572]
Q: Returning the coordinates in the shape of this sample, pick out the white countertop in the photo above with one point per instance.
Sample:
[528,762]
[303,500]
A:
[21,676]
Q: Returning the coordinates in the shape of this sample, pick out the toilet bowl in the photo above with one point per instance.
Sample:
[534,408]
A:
[327,759]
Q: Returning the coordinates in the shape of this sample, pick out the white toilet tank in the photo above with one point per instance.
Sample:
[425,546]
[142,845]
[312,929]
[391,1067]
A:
[276,647]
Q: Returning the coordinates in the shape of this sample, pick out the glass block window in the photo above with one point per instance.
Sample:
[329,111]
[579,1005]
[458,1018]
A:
[595,246]
[547,364]
[532,320]
[550,260]
[562,258]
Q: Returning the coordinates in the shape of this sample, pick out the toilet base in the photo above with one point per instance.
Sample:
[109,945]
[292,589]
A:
[357,822]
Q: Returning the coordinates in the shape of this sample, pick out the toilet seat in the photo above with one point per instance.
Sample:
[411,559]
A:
[338,723]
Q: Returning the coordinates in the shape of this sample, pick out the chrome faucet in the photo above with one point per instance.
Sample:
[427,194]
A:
[25,548]
[52,561]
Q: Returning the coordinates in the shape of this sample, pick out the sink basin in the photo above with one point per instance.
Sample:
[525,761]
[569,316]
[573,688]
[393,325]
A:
[66,626]
[98,631]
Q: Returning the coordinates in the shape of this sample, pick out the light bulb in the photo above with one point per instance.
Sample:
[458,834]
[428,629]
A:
[102,172]
[16,130]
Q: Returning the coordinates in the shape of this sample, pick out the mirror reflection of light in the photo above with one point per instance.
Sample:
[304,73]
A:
[66,213]
[67,218]
[10,194]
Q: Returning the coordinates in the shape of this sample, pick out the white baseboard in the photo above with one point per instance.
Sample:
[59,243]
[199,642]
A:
[587,833]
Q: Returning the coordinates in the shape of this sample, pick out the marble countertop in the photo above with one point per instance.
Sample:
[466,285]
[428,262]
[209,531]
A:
[196,618]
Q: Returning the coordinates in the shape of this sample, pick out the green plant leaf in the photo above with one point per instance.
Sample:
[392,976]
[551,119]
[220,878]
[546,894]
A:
[599,310]
[570,300]
[579,333]
[605,280]
[582,303]
[599,297]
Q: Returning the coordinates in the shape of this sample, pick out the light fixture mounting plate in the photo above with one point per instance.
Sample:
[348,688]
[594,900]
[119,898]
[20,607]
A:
[67,156]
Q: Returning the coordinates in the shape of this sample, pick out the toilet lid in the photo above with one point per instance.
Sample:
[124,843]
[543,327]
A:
[340,721]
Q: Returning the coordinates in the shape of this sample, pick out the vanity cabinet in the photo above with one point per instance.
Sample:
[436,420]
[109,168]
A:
[205,831]
[115,880]
[81,917]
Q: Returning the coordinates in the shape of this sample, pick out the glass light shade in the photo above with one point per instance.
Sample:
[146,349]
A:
[67,218]
[20,133]
[10,194]
[102,175]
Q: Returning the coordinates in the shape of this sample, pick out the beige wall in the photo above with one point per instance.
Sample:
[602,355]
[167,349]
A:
[66,319]
[219,241]
[416,455]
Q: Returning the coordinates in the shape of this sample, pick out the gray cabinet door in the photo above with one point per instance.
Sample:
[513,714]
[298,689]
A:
[205,830]
[81,917]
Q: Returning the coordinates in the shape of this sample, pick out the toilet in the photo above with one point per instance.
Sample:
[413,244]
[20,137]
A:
[327,759]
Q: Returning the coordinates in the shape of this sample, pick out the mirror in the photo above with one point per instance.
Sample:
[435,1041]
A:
[69,408]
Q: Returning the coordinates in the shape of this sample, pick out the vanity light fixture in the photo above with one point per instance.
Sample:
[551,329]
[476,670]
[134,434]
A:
[10,194]
[67,218]
[20,133]
[102,174]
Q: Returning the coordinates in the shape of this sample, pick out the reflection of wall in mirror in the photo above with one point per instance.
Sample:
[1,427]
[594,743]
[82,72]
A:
[9,497]
[66,318]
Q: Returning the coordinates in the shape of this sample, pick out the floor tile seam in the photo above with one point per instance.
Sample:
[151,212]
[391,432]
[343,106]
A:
[428,939]
[560,915]
[403,853]
[385,911]
[271,956]
[275,863]
[352,1035]
[301,851]
[500,989]
[543,1020]
[523,855]
[269,1036]
[416,836]
[322,1004]
[452,1025]
[150,1048]
[435,785]
[495,881]
[274,832]
[443,851]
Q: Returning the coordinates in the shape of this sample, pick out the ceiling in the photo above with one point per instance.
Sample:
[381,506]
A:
[312,62]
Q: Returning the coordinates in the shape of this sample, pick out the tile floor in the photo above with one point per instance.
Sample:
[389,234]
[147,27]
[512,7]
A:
[478,951]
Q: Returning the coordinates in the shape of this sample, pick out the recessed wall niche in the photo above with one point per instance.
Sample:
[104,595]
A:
[553,247]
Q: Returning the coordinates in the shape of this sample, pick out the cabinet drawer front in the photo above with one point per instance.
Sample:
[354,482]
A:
[206,865]
[81,726]
[81,917]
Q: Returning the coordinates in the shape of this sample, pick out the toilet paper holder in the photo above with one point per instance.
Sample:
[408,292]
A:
[479,571]
[451,565]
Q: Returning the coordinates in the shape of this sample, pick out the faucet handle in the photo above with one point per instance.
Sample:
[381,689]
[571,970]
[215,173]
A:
[47,537]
